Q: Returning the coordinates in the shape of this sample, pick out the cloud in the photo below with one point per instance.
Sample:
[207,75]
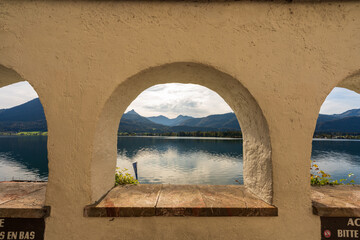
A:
[339,101]
[180,105]
[157,88]
[16,94]
[174,99]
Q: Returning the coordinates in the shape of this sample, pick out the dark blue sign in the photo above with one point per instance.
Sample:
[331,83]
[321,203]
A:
[340,228]
[135,169]
[22,228]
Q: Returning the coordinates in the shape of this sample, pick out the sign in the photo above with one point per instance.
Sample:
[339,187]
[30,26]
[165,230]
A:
[333,228]
[135,169]
[22,228]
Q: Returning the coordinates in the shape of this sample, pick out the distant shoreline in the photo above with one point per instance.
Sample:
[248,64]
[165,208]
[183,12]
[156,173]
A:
[211,134]
[184,137]
[33,133]
[336,136]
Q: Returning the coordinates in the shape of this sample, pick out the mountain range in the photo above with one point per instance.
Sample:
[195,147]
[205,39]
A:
[134,122]
[30,117]
[167,121]
[25,117]
[346,122]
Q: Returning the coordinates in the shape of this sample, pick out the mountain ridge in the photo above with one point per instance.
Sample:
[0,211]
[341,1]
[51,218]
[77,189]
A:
[161,119]
[30,117]
[134,122]
[25,117]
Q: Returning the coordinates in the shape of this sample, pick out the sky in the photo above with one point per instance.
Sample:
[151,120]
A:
[16,94]
[173,99]
[340,100]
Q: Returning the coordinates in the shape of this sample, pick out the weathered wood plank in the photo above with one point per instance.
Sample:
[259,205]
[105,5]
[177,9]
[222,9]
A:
[180,200]
[127,201]
[23,200]
[233,200]
[336,201]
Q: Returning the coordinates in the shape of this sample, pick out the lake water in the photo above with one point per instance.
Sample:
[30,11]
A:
[172,159]
[23,157]
[182,160]
[338,157]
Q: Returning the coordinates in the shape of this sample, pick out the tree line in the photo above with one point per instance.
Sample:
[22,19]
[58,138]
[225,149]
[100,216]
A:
[227,134]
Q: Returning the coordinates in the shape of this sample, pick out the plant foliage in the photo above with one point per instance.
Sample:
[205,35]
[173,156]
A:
[320,178]
[122,177]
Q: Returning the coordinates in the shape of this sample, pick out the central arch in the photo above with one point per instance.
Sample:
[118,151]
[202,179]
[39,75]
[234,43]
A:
[257,164]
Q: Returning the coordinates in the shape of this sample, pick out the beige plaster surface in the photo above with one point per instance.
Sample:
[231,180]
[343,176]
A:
[273,62]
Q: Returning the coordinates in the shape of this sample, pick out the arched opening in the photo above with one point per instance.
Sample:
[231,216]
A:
[180,134]
[335,152]
[23,130]
[23,148]
[256,141]
[336,144]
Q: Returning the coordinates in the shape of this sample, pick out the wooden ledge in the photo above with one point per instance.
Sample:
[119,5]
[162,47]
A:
[23,200]
[144,200]
[26,200]
[336,201]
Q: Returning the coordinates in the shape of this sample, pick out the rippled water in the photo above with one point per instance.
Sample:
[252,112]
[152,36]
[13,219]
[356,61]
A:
[23,158]
[338,157]
[180,160]
[172,159]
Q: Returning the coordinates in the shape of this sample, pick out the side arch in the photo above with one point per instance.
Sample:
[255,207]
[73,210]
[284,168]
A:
[8,76]
[351,82]
[256,140]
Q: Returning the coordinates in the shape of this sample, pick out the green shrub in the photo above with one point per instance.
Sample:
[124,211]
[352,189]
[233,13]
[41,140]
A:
[122,177]
[320,178]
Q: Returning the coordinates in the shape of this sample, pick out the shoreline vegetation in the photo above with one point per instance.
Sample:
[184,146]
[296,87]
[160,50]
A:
[220,134]
[337,136]
[34,133]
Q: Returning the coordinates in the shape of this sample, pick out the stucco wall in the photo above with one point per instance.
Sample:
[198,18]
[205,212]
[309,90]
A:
[288,56]
[257,167]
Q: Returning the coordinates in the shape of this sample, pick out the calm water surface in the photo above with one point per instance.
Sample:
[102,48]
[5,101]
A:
[338,157]
[180,160]
[23,157]
[172,159]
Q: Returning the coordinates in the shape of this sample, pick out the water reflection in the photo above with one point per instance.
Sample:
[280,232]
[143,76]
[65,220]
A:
[338,157]
[182,160]
[23,158]
[173,160]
